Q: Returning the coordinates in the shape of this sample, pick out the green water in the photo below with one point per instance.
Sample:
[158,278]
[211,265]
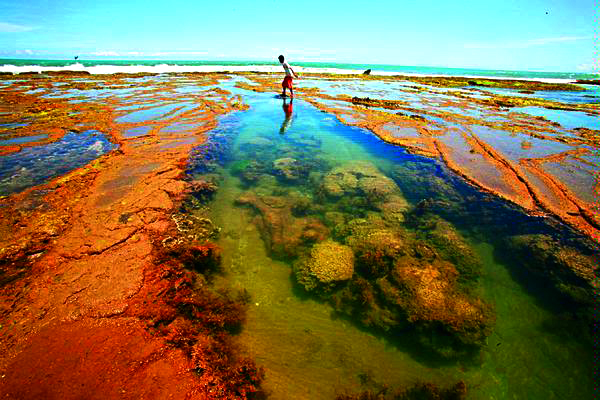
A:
[309,351]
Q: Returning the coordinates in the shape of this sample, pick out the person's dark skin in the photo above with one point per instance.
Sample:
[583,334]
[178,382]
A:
[281,60]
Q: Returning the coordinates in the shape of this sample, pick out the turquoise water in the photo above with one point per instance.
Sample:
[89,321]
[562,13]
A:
[375,67]
[308,349]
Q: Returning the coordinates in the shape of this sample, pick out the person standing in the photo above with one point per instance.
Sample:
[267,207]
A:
[289,75]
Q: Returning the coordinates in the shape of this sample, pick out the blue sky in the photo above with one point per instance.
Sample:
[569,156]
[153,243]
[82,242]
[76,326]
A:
[549,35]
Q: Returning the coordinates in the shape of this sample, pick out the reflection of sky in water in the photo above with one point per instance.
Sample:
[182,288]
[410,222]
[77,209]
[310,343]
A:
[179,127]
[10,126]
[587,96]
[149,114]
[510,144]
[21,140]
[35,165]
[467,111]
[578,177]
[34,91]
[567,119]
[190,89]
[372,89]
[594,161]
[137,131]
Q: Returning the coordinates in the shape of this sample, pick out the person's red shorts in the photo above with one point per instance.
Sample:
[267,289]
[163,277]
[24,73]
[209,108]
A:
[287,82]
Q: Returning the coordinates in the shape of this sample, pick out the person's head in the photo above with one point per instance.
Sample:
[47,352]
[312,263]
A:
[281,59]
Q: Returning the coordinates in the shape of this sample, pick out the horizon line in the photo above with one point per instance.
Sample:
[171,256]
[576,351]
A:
[142,58]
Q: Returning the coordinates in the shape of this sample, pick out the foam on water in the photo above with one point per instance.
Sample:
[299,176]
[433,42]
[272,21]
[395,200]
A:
[147,66]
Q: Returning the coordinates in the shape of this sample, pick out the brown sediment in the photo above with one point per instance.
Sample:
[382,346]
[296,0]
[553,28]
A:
[420,390]
[88,303]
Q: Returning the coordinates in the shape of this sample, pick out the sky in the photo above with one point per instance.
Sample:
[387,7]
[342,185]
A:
[548,35]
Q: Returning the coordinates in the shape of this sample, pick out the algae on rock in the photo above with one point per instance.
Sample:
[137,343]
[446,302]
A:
[327,263]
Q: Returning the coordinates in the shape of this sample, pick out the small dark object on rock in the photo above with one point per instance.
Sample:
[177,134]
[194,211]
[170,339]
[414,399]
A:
[68,73]
[367,72]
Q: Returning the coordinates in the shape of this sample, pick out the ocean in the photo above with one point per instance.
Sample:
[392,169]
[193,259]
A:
[165,66]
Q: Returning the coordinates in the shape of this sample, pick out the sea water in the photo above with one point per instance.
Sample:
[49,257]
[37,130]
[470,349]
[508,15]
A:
[308,350]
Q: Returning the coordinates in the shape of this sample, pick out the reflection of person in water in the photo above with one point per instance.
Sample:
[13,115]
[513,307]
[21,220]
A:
[288,110]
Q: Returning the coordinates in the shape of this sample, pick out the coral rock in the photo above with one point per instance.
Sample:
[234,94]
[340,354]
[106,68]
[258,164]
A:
[327,263]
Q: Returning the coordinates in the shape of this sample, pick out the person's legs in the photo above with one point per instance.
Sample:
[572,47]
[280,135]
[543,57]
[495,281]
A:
[291,92]
[287,84]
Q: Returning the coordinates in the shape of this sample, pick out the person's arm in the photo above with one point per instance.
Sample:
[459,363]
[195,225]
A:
[295,74]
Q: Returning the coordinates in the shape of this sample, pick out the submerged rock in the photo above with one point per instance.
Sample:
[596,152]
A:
[572,273]
[428,293]
[284,234]
[453,247]
[363,179]
[288,168]
[328,262]
[402,281]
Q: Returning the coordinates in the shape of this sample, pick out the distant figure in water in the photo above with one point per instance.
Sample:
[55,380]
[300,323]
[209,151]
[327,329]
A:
[288,109]
[76,57]
[289,74]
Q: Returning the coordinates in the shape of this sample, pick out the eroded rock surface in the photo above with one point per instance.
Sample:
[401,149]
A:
[90,304]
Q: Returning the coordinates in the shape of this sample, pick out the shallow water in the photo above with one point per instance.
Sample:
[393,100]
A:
[22,140]
[307,350]
[568,119]
[512,146]
[147,114]
[588,96]
[34,165]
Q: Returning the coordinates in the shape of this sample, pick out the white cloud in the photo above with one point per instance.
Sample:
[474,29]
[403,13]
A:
[112,53]
[105,53]
[589,67]
[8,27]
[177,53]
[522,44]
[24,52]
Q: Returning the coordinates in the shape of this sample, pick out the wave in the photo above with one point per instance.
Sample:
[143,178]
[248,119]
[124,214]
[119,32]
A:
[159,67]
